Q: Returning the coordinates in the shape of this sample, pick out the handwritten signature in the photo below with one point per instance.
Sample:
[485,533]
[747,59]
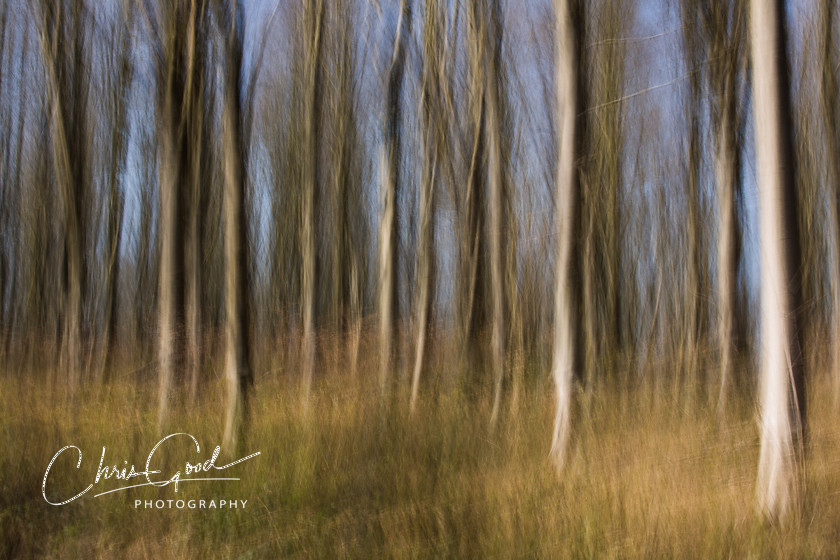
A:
[128,473]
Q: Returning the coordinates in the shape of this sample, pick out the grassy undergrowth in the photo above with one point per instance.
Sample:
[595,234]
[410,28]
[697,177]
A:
[346,477]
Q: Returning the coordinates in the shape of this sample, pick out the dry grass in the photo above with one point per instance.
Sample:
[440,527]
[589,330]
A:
[351,478]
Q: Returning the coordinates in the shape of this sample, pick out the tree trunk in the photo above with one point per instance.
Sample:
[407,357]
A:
[426,267]
[783,411]
[495,183]
[567,285]
[237,349]
[313,28]
[192,265]
[726,171]
[386,273]
[66,84]
[831,111]
[171,296]
[390,225]
[179,151]
[119,106]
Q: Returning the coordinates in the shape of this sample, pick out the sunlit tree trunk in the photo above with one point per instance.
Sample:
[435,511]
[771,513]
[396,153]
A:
[425,278]
[729,243]
[783,413]
[567,193]
[386,272]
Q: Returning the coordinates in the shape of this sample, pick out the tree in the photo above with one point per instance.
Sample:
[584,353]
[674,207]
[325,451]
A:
[714,45]
[831,114]
[236,142]
[484,301]
[496,190]
[389,236]
[783,399]
[181,35]
[435,106]
[122,68]
[313,25]
[63,52]
[566,352]
[726,23]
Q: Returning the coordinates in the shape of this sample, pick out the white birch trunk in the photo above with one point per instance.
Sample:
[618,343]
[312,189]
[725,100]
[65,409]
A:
[727,260]
[566,76]
[779,488]
[386,270]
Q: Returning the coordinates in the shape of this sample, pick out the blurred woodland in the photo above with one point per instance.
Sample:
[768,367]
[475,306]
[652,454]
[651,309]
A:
[505,201]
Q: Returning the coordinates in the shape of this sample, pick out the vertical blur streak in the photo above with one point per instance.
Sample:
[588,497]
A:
[238,371]
[313,23]
[727,26]
[566,290]
[831,110]
[123,68]
[783,414]
[62,36]
[392,181]
[433,33]
[495,183]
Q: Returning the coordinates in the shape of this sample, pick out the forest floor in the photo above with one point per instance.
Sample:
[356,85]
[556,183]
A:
[648,476]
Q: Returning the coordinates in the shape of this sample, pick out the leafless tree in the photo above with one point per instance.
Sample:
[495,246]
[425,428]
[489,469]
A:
[783,399]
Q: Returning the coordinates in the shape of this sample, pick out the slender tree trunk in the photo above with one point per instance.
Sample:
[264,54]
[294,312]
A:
[566,291]
[115,211]
[475,313]
[192,266]
[435,111]
[356,314]
[390,226]
[237,349]
[783,411]
[171,274]
[66,90]
[386,273]
[728,241]
[831,111]
[687,379]
[112,322]
[180,147]
[495,183]
[425,272]
[313,27]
